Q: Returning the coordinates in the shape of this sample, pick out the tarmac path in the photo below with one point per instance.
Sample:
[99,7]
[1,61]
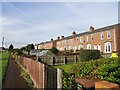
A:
[13,78]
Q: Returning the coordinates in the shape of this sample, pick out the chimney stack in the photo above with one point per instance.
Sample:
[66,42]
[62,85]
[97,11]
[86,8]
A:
[51,39]
[58,38]
[74,33]
[91,28]
[62,37]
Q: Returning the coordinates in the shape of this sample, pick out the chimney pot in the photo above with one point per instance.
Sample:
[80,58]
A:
[74,33]
[62,37]
[58,38]
[51,39]
[91,28]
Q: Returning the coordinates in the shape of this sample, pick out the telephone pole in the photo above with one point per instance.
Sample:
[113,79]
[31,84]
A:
[2,42]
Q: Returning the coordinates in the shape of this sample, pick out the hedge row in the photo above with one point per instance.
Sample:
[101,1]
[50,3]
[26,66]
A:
[86,55]
[106,69]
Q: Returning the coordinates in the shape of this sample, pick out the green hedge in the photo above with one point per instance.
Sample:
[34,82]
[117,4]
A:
[86,55]
[54,50]
[106,69]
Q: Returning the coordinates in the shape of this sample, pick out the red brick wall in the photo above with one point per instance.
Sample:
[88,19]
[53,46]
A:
[75,41]
[118,37]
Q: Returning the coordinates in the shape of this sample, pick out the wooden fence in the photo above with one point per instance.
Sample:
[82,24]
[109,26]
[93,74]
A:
[42,75]
[58,59]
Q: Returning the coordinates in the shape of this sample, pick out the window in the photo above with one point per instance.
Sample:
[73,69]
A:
[80,46]
[108,34]
[81,39]
[77,39]
[75,48]
[88,46]
[108,47]
[95,46]
[86,37]
[102,36]
[69,47]
[92,37]
[99,47]
[64,48]
[58,48]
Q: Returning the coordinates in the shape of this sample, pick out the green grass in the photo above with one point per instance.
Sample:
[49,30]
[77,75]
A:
[3,63]
[106,69]
[66,67]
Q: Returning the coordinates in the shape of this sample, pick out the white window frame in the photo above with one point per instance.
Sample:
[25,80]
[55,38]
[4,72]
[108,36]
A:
[88,46]
[108,34]
[95,47]
[75,48]
[87,38]
[79,47]
[92,37]
[107,47]
[102,36]
[81,40]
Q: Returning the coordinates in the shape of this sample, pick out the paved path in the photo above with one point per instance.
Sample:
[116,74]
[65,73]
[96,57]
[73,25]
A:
[13,78]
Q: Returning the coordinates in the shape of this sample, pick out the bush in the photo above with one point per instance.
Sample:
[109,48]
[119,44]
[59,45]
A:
[86,55]
[106,69]
[54,50]
[68,79]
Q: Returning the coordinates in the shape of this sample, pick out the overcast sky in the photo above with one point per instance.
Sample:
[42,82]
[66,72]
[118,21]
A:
[36,22]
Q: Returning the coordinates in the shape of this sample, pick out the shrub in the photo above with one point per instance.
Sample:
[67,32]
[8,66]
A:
[106,69]
[68,79]
[86,55]
[54,50]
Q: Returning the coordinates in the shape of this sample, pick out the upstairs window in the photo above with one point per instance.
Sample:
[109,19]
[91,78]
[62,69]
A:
[102,36]
[92,37]
[81,39]
[108,34]
[87,38]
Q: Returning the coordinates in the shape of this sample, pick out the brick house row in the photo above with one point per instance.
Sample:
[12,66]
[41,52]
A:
[106,39]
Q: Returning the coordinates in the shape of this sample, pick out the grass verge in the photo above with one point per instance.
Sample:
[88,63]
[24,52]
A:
[26,77]
[3,63]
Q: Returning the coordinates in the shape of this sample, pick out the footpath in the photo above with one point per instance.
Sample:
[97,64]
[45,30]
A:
[13,78]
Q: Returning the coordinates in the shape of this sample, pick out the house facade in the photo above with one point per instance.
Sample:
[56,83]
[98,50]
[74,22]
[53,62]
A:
[106,39]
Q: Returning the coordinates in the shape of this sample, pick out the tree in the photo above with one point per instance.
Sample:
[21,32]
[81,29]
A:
[22,48]
[11,47]
[29,47]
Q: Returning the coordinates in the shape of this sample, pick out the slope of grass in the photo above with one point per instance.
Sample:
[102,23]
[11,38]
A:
[66,67]
[3,63]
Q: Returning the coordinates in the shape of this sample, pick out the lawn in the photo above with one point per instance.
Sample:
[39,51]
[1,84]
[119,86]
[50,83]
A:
[106,69]
[3,63]
[66,67]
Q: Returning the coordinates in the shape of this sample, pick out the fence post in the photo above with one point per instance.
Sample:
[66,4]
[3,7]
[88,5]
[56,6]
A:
[75,58]
[65,60]
[59,78]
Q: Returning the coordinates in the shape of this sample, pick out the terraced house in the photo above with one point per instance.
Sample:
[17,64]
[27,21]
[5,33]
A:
[106,39]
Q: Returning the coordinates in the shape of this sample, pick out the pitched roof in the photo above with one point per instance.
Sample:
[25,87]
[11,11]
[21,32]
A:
[96,30]
[86,33]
